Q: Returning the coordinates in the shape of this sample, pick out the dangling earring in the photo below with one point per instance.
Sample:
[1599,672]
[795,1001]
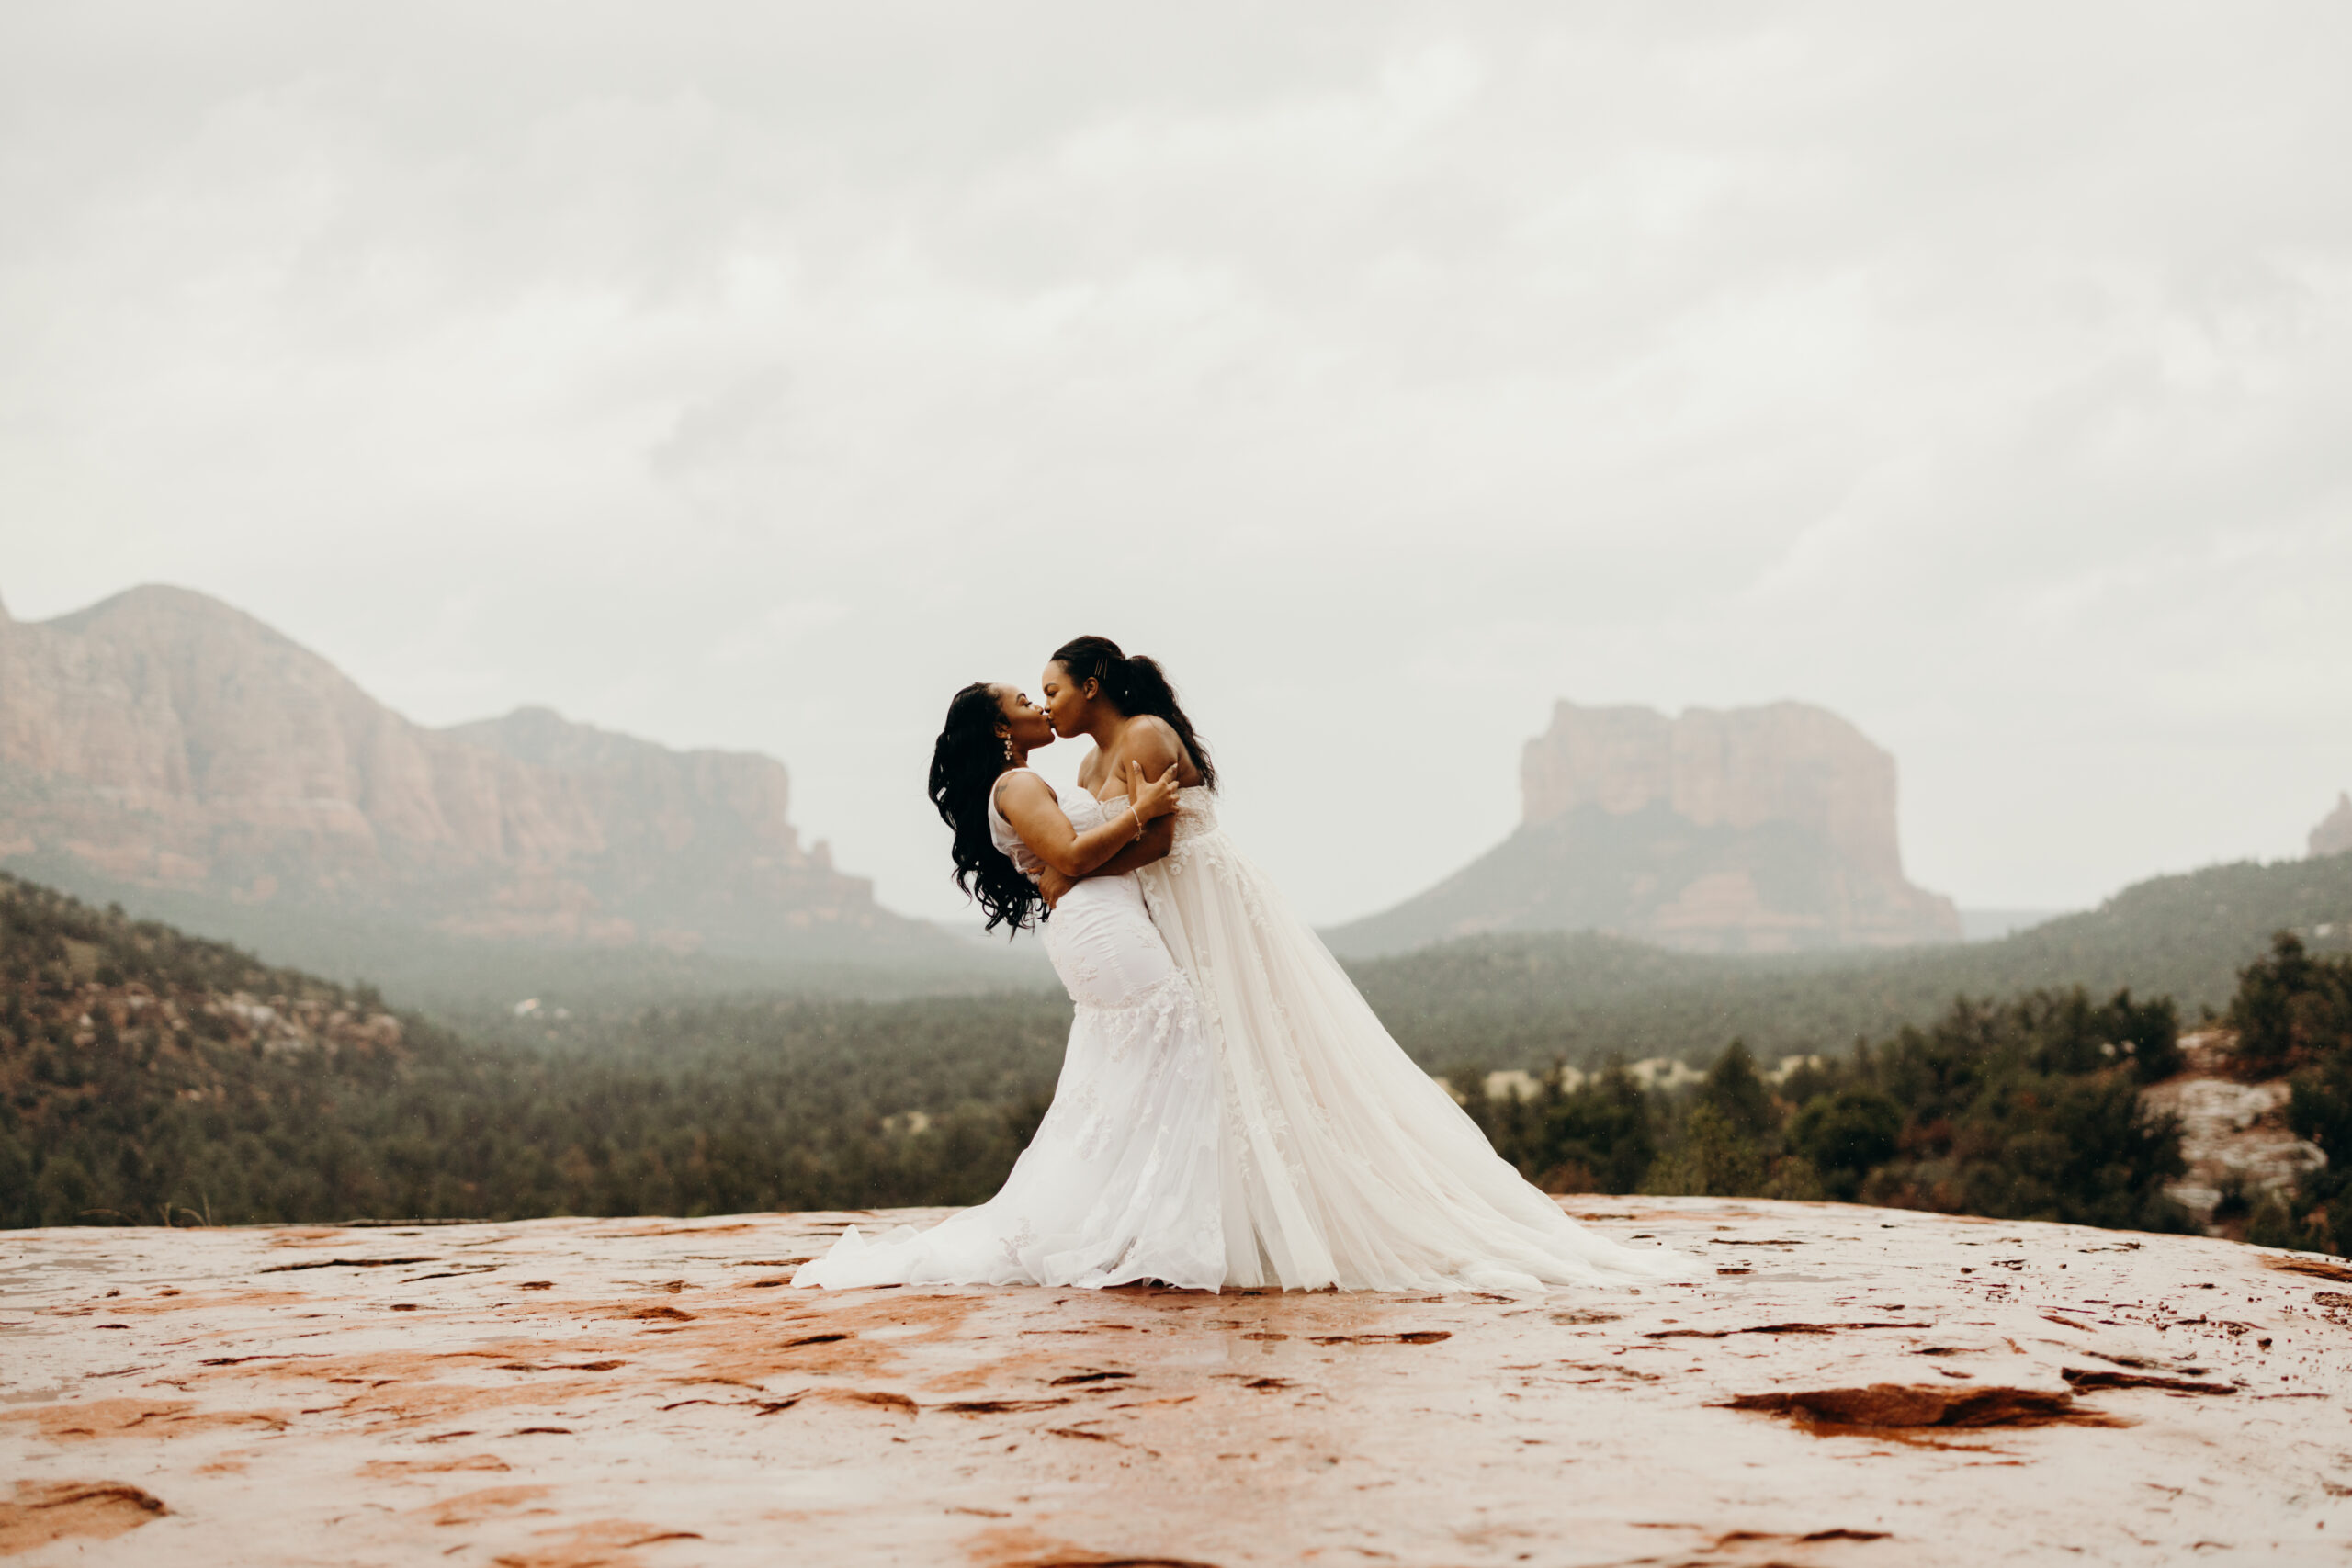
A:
[1009,754]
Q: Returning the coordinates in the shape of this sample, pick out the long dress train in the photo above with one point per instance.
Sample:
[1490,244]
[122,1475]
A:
[1344,1163]
[1120,1182]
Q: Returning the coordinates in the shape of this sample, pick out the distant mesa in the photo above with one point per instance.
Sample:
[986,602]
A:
[161,739]
[2333,834]
[1765,829]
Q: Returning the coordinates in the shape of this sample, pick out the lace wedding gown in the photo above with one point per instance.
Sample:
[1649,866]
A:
[1343,1162]
[1120,1183]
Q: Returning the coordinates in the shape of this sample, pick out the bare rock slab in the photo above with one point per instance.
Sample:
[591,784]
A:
[1844,1385]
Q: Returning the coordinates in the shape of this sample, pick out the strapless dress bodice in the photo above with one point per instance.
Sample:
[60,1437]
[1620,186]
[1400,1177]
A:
[1195,811]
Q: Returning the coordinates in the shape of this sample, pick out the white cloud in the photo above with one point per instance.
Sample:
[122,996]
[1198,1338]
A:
[1389,370]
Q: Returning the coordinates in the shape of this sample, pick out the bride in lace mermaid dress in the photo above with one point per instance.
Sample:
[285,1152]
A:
[1120,1182]
[1343,1162]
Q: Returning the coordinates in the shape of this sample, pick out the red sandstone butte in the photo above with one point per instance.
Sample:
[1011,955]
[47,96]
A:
[1843,1386]
[163,740]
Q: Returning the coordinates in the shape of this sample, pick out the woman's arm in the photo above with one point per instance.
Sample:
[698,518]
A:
[1154,747]
[1029,805]
[1156,840]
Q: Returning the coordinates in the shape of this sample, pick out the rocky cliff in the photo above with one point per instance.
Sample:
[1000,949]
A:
[162,739]
[2333,834]
[1755,829]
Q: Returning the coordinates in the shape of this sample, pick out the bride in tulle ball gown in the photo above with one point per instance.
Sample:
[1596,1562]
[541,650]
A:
[1340,1163]
[1120,1183]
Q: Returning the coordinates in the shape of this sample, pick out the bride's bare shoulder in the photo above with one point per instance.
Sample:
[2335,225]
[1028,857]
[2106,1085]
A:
[1017,784]
[1153,742]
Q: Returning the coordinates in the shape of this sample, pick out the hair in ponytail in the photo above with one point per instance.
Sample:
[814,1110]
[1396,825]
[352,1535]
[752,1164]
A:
[1135,686]
[966,761]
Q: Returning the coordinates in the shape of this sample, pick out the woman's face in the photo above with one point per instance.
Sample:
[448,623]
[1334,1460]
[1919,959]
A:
[1025,720]
[1067,702]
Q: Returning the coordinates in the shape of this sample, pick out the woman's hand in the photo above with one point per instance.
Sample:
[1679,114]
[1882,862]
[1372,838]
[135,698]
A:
[1152,797]
[1052,884]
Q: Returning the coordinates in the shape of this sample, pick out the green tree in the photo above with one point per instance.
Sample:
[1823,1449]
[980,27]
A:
[2291,1009]
[63,1192]
[1595,1138]
[2148,1032]
[1845,1134]
[1716,1157]
[1735,1092]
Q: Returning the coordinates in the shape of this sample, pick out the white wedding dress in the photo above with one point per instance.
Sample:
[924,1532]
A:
[1120,1182]
[1344,1164]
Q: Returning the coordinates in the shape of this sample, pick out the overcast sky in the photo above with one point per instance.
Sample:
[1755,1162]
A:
[752,375]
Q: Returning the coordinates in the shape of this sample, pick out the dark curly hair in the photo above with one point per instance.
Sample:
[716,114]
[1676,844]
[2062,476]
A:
[1135,686]
[966,761]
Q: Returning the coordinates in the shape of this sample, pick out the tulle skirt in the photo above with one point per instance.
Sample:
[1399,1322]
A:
[1121,1181]
[1343,1163]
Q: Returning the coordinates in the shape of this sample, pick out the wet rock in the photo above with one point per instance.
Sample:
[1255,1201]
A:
[43,1512]
[2094,1377]
[1897,1404]
[1839,1411]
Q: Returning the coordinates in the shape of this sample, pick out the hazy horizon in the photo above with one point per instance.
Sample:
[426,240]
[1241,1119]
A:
[753,377]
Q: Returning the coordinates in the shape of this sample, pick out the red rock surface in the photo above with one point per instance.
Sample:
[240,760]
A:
[1918,1389]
